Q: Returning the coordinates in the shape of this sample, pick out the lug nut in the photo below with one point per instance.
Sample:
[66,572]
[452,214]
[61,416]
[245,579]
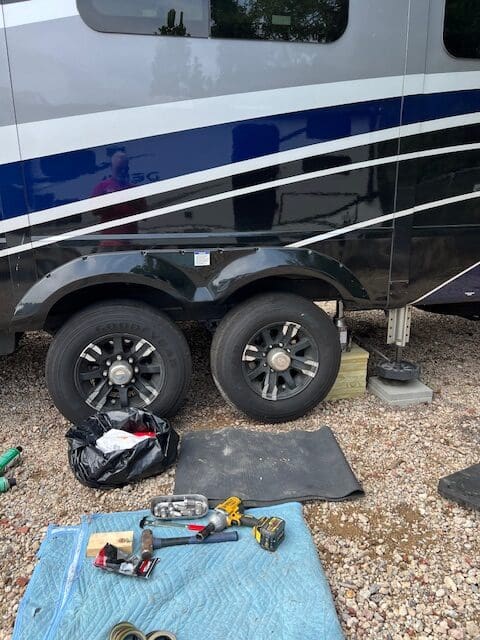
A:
[108,363]
[136,369]
[105,373]
[119,357]
[130,360]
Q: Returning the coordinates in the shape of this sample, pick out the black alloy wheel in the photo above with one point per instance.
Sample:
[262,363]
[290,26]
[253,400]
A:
[280,360]
[115,355]
[275,357]
[119,370]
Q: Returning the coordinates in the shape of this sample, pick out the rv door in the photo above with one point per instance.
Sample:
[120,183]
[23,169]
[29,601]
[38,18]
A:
[437,227]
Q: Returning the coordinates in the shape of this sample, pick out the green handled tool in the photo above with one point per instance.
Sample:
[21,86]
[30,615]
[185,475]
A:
[9,459]
[6,484]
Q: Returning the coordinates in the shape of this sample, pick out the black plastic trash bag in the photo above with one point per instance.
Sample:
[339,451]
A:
[148,458]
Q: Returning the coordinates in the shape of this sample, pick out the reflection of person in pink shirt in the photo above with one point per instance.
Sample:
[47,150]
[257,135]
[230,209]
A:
[119,180]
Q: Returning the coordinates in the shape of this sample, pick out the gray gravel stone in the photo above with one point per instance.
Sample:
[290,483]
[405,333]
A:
[402,562]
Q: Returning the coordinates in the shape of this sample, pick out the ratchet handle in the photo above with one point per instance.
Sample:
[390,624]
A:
[227,536]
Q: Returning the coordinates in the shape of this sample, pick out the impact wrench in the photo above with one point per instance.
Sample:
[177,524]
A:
[149,543]
[268,532]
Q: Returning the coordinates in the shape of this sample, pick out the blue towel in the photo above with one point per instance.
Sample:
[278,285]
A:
[221,591]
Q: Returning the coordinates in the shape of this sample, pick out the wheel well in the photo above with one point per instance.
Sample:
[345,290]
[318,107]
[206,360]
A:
[311,288]
[73,302]
[63,309]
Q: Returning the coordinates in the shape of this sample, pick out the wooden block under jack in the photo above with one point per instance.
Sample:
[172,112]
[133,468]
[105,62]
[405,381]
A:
[121,539]
[351,381]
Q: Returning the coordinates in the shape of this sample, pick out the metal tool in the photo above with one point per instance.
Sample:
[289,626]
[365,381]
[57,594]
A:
[148,521]
[268,532]
[127,631]
[179,506]
[149,543]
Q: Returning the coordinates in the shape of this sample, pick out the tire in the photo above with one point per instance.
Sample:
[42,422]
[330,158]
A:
[235,359]
[153,349]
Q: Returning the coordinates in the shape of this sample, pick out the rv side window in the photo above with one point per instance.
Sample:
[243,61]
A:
[462,28]
[282,20]
[148,17]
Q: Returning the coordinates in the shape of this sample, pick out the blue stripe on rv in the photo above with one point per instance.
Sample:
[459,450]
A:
[51,180]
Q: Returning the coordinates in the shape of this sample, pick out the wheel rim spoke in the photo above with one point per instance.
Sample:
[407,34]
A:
[288,379]
[93,374]
[270,385]
[149,368]
[92,353]
[145,391]
[251,353]
[143,349]
[301,345]
[306,366]
[266,337]
[117,344]
[255,373]
[99,395]
[123,395]
[289,331]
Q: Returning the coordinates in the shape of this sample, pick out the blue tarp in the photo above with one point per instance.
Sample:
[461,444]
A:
[220,591]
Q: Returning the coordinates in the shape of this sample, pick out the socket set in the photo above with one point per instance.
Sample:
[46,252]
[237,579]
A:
[182,506]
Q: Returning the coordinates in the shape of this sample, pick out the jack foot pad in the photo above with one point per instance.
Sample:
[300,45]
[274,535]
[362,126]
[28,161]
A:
[401,370]
[400,394]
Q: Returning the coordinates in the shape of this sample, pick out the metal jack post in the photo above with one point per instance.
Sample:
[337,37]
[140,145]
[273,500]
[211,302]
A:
[399,321]
[341,325]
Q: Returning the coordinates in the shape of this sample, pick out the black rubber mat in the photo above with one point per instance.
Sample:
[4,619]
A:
[462,487]
[265,468]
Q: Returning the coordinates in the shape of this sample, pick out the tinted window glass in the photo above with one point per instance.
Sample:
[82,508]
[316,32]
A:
[287,20]
[152,17]
[462,28]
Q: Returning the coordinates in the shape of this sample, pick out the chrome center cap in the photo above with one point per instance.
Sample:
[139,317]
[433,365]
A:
[278,359]
[120,373]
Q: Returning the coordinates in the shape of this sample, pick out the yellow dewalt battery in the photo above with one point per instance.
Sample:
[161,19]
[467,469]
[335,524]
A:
[269,532]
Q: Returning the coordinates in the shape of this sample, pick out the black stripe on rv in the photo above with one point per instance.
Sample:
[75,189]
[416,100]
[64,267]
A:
[223,185]
[286,213]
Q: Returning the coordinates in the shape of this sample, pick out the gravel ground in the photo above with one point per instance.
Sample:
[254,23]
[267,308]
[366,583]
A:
[402,562]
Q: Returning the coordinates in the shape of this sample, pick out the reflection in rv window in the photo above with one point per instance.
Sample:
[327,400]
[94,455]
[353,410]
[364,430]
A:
[462,28]
[149,17]
[283,20]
